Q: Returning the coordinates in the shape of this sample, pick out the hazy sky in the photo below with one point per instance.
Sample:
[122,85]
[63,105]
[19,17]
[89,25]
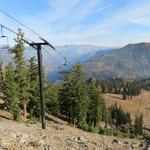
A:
[100,22]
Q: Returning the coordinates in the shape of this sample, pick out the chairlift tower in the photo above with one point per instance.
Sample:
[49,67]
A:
[40,71]
[38,46]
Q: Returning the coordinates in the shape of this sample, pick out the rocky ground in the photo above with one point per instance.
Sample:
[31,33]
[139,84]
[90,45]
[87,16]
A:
[59,136]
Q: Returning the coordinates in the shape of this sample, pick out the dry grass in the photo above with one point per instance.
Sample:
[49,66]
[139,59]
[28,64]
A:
[139,104]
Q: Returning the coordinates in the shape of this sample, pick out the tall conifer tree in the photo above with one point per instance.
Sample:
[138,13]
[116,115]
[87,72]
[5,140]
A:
[11,94]
[74,98]
[21,72]
[33,91]
[1,77]
[96,107]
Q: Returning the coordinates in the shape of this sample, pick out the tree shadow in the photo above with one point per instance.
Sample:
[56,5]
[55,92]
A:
[116,97]
[56,119]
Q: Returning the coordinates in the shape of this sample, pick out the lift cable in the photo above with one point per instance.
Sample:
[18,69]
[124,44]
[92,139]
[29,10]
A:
[14,32]
[30,29]
[25,39]
[17,21]
[50,56]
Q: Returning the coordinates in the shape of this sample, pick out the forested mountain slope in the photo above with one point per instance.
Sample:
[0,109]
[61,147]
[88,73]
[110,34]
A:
[131,61]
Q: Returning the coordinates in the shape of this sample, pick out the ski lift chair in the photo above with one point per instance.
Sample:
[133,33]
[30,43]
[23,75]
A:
[4,46]
[62,68]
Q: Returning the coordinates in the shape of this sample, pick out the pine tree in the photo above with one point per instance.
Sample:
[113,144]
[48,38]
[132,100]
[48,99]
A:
[96,107]
[73,97]
[52,102]
[81,97]
[128,118]
[119,117]
[21,72]
[141,124]
[33,91]
[11,94]
[108,118]
[138,126]
[65,98]
[103,87]
[1,78]
[124,93]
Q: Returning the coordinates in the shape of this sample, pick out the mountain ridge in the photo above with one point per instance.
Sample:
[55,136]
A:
[131,61]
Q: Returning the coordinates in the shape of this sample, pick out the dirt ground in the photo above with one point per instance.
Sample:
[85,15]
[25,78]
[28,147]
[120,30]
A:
[59,136]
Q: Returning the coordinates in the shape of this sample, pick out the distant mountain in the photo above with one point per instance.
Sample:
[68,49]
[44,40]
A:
[80,53]
[129,62]
[73,53]
[102,53]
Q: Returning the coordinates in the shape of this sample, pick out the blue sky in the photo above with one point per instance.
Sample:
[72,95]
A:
[97,22]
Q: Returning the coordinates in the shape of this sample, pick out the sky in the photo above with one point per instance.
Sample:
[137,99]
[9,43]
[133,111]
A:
[97,22]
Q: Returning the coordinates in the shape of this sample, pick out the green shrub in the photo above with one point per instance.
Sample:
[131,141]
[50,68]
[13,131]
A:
[147,136]
[117,133]
[133,136]
[32,120]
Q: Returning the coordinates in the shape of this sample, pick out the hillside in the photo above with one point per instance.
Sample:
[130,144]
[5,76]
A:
[58,136]
[139,104]
[131,61]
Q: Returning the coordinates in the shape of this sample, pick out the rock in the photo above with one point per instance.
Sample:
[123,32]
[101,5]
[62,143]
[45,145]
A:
[77,142]
[58,128]
[115,141]
[4,148]
[44,137]
[95,143]
[132,146]
[34,144]
[126,143]
[119,142]
[40,141]
[143,145]
[13,135]
[81,140]
[47,147]
[24,138]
